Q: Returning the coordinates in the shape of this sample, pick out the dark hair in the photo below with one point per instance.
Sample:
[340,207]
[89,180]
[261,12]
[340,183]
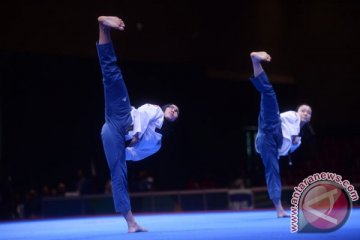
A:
[307,125]
[167,127]
[303,104]
[164,107]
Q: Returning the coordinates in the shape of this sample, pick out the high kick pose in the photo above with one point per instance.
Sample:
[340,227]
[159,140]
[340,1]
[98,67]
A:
[278,134]
[124,122]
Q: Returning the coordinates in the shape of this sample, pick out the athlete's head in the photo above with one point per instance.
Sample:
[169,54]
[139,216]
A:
[305,113]
[171,112]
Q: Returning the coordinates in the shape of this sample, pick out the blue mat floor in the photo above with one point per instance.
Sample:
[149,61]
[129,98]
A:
[173,226]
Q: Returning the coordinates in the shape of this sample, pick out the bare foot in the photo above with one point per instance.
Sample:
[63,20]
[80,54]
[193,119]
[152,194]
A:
[260,56]
[282,214]
[279,208]
[135,228]
[111,22]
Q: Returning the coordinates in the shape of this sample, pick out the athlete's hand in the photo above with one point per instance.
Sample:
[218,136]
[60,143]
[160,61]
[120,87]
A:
[135,139]
[296,139]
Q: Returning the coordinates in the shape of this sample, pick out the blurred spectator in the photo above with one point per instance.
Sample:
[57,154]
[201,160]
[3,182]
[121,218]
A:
[144,182]
[7,200]
[61,189]
[108,187]
[83,184]
[32,205]
[46,191]
[238,183]
[192,184]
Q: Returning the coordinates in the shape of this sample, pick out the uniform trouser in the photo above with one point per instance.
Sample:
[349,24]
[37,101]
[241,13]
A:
[114,146]
[117,119]
[269,136]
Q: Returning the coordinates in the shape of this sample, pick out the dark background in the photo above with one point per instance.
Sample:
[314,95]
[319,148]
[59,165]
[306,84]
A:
[192,53]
